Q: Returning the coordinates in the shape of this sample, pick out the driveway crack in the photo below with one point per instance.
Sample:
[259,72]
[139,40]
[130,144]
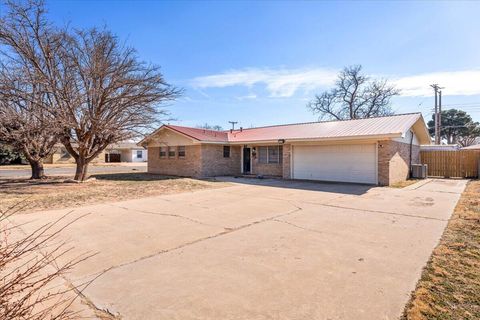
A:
[184,245]
[384,212]
[168,215]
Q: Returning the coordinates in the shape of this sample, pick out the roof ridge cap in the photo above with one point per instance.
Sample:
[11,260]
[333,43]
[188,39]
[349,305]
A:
[326,121]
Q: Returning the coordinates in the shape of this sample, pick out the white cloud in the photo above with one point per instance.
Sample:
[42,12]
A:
[279,83]
[247,97]
[285,83]
[455,82]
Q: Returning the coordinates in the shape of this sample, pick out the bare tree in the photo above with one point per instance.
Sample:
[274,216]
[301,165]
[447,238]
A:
[27,47]
[355,96]
[215,127]
[29,268]
[25,123]
[108,95]
[101,93]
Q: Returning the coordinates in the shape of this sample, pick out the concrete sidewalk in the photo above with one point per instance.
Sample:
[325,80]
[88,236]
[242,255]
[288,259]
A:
[267,249]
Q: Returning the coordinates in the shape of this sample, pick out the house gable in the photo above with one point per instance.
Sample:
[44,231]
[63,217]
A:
[167,137]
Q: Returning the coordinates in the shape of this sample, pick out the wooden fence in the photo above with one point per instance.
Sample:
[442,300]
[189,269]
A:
[451,164]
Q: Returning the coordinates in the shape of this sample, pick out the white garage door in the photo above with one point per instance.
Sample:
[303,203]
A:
[344,163]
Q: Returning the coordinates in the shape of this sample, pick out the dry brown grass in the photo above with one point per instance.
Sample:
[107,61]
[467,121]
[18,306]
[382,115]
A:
[403,184]
[55,192]
[450,284]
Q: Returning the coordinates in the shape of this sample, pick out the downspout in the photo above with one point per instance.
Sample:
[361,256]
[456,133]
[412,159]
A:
[410,158]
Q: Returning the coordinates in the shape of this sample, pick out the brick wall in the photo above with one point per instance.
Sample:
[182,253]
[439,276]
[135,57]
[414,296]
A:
[214,164]
[287,149]
[200,161]
[393,161]
[190,166]
[267,169]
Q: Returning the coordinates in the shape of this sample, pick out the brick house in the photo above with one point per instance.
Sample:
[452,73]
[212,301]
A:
[372,151]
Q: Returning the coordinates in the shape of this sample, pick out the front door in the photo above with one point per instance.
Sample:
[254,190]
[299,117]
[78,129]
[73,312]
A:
[246,160]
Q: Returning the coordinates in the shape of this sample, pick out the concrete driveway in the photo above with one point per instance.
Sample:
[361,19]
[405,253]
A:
[260,249]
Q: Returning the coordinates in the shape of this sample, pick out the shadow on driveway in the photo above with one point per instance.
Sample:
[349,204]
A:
[323,186]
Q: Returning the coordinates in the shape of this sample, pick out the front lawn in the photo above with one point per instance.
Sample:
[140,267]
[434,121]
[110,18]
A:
[450,284]
[55,192]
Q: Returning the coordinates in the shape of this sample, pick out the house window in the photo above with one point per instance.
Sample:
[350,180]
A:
[262,154]
[139,154]
[163,152]
[270,154]
[171,152]
[226,151]
[181,152]
[273,155]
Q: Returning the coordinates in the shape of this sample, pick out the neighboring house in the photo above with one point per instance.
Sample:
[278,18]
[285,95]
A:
[61,155]
[125,152]
[372,151]
[118,152]
[472,147]
[439,147]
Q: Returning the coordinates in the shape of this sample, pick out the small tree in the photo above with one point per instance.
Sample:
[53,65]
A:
[457,126]
[8,155]
[355,96]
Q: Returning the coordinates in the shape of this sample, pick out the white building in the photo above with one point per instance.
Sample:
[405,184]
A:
[125,152]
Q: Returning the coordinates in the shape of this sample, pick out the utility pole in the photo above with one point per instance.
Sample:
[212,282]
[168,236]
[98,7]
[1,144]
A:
[439,116]
[233,124]
[437,134]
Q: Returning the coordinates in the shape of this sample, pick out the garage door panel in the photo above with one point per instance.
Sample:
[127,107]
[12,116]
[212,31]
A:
[344,163]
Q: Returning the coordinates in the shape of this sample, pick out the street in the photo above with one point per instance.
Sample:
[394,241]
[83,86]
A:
[70,170]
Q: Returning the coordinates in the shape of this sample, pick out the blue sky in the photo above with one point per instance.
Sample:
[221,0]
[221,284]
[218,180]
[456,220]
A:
[259,63]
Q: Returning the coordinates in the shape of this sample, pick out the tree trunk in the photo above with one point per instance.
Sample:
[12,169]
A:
[81,170]
[37,169]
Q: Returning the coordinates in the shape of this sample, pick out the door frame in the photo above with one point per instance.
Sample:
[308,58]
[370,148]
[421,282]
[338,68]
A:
[242,164]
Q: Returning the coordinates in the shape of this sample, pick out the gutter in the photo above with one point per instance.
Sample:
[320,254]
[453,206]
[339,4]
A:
[367,137]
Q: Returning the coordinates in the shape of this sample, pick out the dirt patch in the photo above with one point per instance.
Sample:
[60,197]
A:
[56,192]
[450,284]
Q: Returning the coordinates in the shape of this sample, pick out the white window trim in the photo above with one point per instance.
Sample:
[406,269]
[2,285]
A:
[268,155]
[166,153]
[174,150]
[184,152]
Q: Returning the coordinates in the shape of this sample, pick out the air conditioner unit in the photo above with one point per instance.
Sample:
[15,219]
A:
[419,171]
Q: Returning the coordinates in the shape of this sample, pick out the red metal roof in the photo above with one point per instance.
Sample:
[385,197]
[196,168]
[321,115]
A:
[201,134]
[397,124]
[358,128]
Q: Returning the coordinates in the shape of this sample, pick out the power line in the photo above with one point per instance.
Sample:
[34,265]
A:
[462,104]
